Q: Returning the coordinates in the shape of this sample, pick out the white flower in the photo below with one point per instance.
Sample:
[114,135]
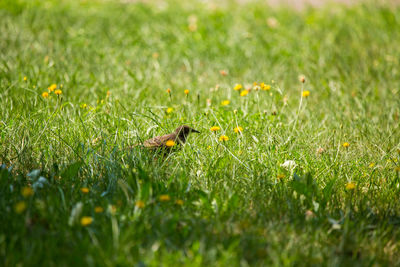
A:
[289,165]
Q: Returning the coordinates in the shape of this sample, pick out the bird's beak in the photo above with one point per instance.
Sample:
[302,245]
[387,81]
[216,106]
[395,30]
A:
[195,131]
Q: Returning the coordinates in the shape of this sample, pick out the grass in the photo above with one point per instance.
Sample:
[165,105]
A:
[212,202]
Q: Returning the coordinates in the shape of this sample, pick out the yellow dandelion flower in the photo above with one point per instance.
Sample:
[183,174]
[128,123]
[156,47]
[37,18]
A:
[238,129]
[164,198]
[83,105]
[108,93]
[215,128]
[350,186]
[265,87]
[86,220]
[139,204]
[305,93]
[186,92]
[170,110]
[223,138]
[179,202]
[20,207]
[27,191]
[345,144]
[225,102]
[52,87]
[58,92]
[208,147]
[170,143]
[168,91]
[45,95]
[244,93]
[85,190]
[302,78]
[98,209]
[25,79]
[371,165]
[280,176]
[237,87]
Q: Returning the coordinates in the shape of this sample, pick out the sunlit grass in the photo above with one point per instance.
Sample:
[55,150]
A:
[297,162]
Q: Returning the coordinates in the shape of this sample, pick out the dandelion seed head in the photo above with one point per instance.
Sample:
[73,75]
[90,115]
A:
[289,164]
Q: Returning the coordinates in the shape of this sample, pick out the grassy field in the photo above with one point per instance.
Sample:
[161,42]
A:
[312,178]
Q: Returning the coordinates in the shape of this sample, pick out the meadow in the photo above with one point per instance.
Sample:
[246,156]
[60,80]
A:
[297,162]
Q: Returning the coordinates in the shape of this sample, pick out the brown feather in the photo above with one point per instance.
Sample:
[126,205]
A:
[178,136]
[159,141]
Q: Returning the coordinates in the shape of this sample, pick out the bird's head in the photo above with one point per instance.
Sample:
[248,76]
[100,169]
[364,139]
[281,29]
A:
[184,131]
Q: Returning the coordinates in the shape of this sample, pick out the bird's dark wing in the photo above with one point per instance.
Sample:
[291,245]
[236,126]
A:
[159,141]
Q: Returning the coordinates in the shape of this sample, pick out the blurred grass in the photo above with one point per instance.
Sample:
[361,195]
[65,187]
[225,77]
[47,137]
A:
[240,206]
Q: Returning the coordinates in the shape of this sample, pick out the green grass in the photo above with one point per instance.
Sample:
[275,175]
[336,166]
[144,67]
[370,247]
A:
[236,211]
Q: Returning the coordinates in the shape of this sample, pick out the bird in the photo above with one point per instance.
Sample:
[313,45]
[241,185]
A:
[168,141]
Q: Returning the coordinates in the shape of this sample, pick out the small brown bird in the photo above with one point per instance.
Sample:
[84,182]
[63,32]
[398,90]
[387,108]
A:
[170,140]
